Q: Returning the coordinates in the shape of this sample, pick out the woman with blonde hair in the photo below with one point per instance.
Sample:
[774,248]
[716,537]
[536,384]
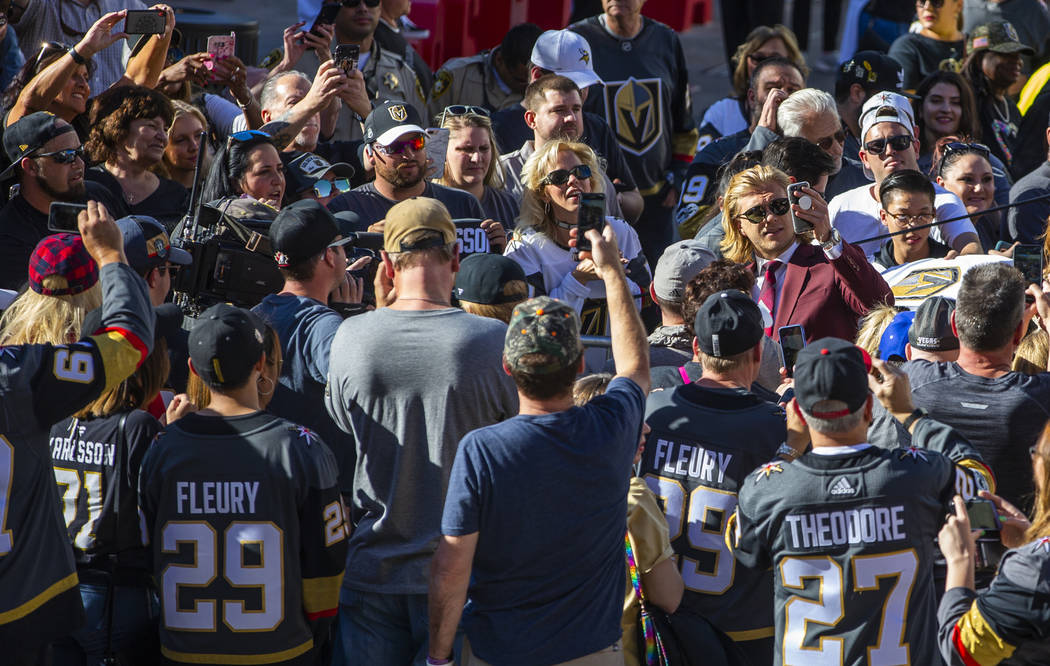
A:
[730,114]
[1010,619]
[63,287]
[186,138]
[553,179]
[472,163]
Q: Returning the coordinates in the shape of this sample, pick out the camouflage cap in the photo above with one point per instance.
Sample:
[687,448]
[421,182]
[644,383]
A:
[543,325]
[1000,37]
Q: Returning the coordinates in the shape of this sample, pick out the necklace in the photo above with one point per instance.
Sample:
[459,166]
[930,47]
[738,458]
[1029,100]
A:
[426,300]
[1004,113]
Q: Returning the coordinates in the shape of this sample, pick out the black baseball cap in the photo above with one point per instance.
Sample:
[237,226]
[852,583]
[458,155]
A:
[481,279]
[302,230]
[225,343]
[147,245]
[932,328]
[389,120]
[831,369]
[305,169]
[28,134]
[728,323]
[875,72]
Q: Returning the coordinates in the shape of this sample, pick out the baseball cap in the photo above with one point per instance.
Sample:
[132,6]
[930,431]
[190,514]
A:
[302,230]
[543,325]
[932,330]
[28,134]
[307,168]
[567,53]
[831,369]
[146,244]
[225,343]
[679,264]
[728,323]
[1000,37]
[874,71]
[417,224]
[389,120]
[895,337]
[65,256]
[481,278]
[886,107]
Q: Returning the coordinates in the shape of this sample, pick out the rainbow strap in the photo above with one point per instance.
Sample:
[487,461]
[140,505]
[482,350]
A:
[654,647]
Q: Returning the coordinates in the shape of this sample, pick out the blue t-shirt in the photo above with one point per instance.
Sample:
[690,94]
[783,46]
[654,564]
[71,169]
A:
[548,495]
[306,328]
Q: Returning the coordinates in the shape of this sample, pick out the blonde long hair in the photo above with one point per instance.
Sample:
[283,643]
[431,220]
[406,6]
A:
[534,209]
[1041,512]
[736,247]
[35,319]
[494,176]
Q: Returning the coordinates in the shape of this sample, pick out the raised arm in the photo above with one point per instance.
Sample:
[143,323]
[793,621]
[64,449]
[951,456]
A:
[144,67]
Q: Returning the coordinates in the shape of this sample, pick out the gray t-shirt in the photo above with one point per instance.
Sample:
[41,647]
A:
[408,385]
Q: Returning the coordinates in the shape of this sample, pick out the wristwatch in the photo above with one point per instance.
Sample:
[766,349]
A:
[914,416]
[833,239]
[785,450]
[77,58]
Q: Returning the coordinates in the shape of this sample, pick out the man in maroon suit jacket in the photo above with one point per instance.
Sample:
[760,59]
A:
[825,285]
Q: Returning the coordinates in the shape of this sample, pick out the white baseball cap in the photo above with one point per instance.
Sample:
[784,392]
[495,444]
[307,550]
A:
[567,53]
[886,107]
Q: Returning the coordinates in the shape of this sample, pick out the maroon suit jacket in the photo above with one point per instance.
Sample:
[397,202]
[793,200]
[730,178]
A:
[828,297]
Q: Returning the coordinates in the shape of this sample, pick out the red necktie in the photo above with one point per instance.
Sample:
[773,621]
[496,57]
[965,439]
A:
[768,295]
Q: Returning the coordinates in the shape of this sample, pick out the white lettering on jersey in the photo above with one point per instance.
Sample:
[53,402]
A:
[853,526]
[215,497]
[692,460]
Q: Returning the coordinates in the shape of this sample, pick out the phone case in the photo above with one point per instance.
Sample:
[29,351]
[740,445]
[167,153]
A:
[437,147]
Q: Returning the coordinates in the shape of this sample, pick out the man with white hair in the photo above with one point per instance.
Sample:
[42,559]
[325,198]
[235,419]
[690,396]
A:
[888,144]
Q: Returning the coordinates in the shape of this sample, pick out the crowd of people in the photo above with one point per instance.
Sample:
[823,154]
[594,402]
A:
[540,364]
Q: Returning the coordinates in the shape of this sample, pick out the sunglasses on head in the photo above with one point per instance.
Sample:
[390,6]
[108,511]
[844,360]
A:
[66,156]
[958,146]
[825,142]
[248,135]
[561,176]
[353,3]
[397,147]
[324,188]
[48,49]
[757,214]
[898,143]
[462,110]
[759,57]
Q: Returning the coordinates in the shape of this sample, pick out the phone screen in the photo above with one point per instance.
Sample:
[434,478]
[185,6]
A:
[62,217]
[1029,260]
[983,515]
[792,340]
[346,56]
[437,148]
[591,216]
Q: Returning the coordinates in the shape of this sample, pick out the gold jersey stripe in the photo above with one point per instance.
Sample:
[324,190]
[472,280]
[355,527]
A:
[320,594]
[752,635]
[976,639]
[271,658]
[39,600]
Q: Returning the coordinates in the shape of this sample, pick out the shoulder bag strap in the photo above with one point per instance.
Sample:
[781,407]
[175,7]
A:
[654,648]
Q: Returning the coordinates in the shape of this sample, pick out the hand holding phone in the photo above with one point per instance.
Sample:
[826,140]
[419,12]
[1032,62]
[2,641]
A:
[792,340]
[797,197]
[346,56]
[983,515]
[326,16]
[591,216]
[145,22]
[1029,260]
[220,47]
[62,217]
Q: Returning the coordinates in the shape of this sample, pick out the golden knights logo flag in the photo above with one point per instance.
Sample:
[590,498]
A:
[634,111]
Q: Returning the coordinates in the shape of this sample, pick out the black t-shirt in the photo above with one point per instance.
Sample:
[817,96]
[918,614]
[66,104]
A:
[1000,124]
[501,206]
[919,56]
[94,465]
[511,132]
[371,206]
[167,204]
[885,254]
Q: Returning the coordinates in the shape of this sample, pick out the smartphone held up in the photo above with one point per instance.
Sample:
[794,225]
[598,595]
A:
[591,216]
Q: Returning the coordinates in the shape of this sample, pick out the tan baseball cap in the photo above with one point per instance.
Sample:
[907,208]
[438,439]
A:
[417,224]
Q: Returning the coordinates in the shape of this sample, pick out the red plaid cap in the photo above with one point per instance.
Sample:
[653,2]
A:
[66,256]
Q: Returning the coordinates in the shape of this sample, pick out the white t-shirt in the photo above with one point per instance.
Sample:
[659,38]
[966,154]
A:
[725,116]
[855,213]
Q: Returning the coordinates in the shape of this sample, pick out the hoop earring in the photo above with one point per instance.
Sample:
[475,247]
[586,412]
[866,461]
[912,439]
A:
[547,209]
[272,385]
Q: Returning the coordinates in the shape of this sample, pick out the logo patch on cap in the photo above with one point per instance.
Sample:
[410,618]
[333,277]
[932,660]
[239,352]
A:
[23,146]
[281,258]
[585,56]
[312,164]
[398,113]
[1011,32]
[980,42]
[157,246]
[872,75]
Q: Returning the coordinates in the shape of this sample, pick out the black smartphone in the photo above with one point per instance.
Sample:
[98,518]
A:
[346,57]
[1029,260]
[472,238]
[983,515]
[792,340]
[591,216]
[803,201]
[326,15]
[145,22]
[62,217]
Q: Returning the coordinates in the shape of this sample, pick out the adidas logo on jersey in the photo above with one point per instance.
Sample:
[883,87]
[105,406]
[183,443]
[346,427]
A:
[843,487]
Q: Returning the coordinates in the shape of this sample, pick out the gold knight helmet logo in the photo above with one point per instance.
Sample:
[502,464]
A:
[398,113]
[633,109]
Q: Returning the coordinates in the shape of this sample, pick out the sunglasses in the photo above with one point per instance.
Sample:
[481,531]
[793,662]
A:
[957,146]
[49,48]
[462,110]
[561,176]
[353,3]
[247,135]
[170,270]
[825,142]
[324,188]
[759,57]
[67,156]
[936,4]
[398,147]
[757,215]
[898,143]
[908,221]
